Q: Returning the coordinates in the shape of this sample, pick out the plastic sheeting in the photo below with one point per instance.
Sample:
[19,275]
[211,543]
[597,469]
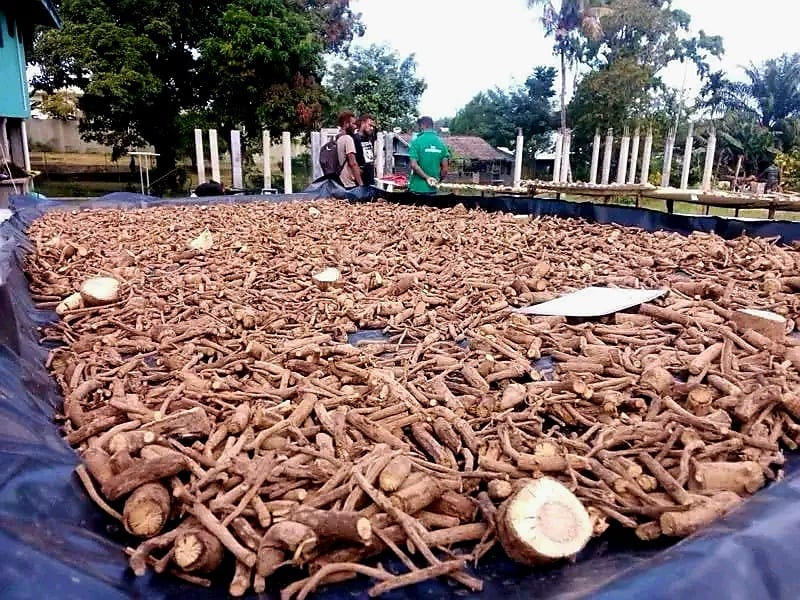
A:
[649,220]
[55,542]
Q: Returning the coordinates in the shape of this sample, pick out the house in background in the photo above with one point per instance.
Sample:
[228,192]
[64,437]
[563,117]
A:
[18,19]
[473,160]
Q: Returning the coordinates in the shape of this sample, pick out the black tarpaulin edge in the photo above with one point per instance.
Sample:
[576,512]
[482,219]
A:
[54,538]
[630,216]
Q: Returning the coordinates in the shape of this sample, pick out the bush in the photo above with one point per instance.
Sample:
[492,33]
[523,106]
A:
[789,164]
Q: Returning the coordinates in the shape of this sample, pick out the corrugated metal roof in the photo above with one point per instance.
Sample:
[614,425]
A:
[466,146]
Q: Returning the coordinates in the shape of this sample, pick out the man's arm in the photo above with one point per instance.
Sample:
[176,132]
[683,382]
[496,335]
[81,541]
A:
[417,169]
[350,153]
[354,168]
[444,167]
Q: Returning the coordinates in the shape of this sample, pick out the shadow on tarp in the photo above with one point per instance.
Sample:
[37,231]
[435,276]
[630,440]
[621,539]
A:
[55,542]
[647,219]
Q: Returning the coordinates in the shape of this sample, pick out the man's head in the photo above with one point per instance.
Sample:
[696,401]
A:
[425,123]
[366,125]
[347,121]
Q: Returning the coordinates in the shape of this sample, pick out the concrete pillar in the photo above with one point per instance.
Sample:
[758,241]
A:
[389,153]
[648,152]
[669,148]
[316,146]
[26,153]
[557,159]
[607,153]
[380,158]
[236,158]
[595,158]
[518,159]
[687,158]
[634,157]
[566,146]
[266,143]
[709,166]
[201,161]
[213,146]
[624,148]
[286,140]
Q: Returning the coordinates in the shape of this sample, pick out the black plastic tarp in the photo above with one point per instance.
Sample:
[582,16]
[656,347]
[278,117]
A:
[54,542]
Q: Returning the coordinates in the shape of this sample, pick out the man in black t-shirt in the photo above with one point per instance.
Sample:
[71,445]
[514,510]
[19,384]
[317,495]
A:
[365,149]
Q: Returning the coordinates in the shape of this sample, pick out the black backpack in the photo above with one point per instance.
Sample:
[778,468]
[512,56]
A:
[329,158]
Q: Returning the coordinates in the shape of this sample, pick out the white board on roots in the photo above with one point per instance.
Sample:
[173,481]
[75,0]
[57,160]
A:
[592,302]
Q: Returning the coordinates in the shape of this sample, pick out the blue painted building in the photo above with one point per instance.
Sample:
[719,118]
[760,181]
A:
[18,20]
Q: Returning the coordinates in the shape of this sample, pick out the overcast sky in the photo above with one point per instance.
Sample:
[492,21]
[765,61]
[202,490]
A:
[465,46]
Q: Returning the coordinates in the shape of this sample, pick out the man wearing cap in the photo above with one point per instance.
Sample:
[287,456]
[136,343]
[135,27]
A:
[428,154]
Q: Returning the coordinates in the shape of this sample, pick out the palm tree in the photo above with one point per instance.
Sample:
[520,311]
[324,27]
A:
[773,90]
[573,16]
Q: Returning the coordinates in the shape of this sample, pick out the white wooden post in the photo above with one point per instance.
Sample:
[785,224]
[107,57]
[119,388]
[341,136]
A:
[380,158]
[624,148]
[26,153]
[518,159]
[607,151]
[214,149]
[286,140]
[709,166]
[647,153]
[388,150]
[634,157]
[266,143]
[566,146]
[595,158]
[201,162]
[236,157]
[557,159]
[316,146]
[668,151]
[687,158]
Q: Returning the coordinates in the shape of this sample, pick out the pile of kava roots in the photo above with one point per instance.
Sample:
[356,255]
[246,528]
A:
[220,410]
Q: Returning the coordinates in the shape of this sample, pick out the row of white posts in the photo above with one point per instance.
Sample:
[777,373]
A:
[629,158]
[384,156]
[236,158]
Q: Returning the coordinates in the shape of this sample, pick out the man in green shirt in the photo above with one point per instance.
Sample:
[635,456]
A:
[428,154]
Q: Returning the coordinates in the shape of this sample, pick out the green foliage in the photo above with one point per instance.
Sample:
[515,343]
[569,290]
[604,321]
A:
[495,115]
[652,33]
[487,115]
[739,134]
[789,164]
[772,91]
[612,96]
[377,81]
[150,69]
[60,105]
[572,24]
[260,68]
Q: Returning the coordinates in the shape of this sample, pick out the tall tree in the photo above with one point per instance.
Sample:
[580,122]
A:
[652,33]
[376,80]
[495,115]
[716,95]
[573,19]
[488,115]
[146,66]
[772,92]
